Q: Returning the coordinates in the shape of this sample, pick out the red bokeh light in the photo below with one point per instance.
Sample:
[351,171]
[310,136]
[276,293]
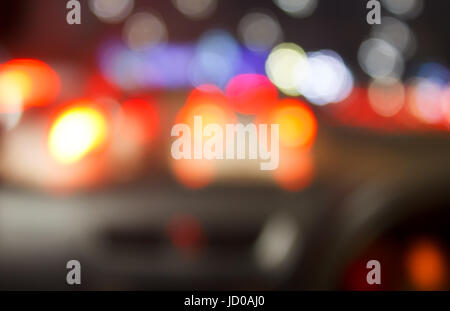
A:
[138,120]
[186,234]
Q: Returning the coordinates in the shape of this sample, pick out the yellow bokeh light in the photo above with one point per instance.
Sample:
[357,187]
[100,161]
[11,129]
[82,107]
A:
[282,67]
[15,87]
[297,126]
[76,132]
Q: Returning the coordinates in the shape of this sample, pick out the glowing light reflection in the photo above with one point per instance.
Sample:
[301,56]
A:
[76,132]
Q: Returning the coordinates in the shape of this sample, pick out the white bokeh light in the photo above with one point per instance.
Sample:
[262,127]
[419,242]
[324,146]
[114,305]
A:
[111,11]
[380,59]
[297,8]
[196,9]
[260,31]
[144,30]
[426,100]
[398,34]
[325,79]
[404,8]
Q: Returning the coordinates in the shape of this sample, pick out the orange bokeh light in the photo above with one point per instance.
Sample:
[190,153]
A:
[25,83]
[194,174]
[211,104]
[297,130]
[295,171]
[298,124]
[426,265]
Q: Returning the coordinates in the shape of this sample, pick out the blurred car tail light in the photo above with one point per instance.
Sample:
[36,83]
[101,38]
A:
[77,130]
[25,83]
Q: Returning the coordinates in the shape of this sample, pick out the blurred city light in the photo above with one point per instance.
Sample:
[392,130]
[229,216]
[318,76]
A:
[137,120]
[379,59]
[163,66]
[217,59]
[77,131]
[168,66]
[436,72]
[98,86]
[276,241]
[297,8]
[359,184]
[446,104]
[144,30]
[298,124]
[26,82]
[404,8]
[426,265]
[186,234]
[260,31]
[176,65]
[211,104]
[387,96]
[296,170]
[26,161]
[208,102]
[251,93]
[396,33]
[355,110]
[283,63]
[428,97]
[194,174]
[325,79]
[426,100]
[136,128]
[15,86]
[111,11]
[121,66]
[196,9]
[252,62]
